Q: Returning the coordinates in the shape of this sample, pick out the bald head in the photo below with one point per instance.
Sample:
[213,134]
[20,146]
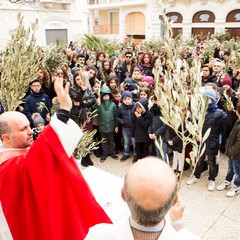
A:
[150,185]
[15,130]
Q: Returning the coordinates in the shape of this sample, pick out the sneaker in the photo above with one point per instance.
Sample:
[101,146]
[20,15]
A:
[224,185]
[192,180]
[233,192]
[124,158]
[211,185]
[114,156]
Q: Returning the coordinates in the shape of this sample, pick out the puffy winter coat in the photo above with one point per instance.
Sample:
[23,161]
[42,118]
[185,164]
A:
[216,120]
[126,116]
[107,113]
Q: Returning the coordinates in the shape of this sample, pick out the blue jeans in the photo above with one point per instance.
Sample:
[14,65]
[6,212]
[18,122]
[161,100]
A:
[127,141]
[233,169]
[165,151]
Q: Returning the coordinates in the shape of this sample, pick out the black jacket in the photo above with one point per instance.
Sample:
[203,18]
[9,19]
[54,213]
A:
[142,123]
[157,126]
[215,120]
[177,141]
[126,116]
[124,70]
[233,143]
[87,100]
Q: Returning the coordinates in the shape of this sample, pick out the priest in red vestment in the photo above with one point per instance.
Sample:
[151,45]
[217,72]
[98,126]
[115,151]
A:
[42,191]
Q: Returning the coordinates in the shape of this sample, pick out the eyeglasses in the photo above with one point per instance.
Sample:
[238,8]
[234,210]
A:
[128,56]
[59,73]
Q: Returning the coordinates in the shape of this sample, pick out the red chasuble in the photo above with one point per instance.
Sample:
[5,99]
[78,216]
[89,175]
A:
[44,195]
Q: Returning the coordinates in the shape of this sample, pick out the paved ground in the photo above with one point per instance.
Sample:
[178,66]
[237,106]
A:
[211,215]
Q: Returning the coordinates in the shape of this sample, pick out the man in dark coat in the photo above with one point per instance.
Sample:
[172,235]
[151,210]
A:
[127,66]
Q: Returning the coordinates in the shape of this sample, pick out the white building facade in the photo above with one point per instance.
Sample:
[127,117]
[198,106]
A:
[142,18]
[66,20]
[118,19]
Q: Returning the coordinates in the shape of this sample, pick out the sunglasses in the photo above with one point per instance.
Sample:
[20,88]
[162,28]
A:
[128,56]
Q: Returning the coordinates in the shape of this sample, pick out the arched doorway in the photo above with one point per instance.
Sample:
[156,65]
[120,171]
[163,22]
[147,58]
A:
[135,26]
[177,22]
[202,24]
[233,21]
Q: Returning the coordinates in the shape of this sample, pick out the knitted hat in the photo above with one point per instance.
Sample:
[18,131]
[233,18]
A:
[143,103]
[127,94]
[127,80]
[210,93]
[227,81]
[37,119]
[132,87]
[148,79]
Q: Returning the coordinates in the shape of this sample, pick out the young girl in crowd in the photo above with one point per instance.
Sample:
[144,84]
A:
[145,93]
[157,129]
[112,83]
[83,101]
[95,85]
[142,123]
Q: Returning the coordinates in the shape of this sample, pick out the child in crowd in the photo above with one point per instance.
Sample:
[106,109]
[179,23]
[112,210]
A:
[147,82]
[39,125]
[125,84]
[117,135]
[126,118]
[175,143]
[112,83]
[145,93]
[95,85]
[134,89]
[157,129]
[136,76]
[142,123]
[107,124]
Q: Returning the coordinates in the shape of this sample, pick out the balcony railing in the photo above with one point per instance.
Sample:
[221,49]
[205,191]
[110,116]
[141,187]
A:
[106,29]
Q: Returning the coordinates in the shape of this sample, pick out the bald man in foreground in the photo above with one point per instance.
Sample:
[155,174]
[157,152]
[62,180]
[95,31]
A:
[150,191]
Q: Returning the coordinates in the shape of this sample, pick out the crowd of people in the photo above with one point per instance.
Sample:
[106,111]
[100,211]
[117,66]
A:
[121,89]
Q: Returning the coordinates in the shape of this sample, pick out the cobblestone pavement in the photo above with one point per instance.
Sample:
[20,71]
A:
[211,215]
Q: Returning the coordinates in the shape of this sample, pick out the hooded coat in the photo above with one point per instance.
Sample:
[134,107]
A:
[107,112]
[143,122]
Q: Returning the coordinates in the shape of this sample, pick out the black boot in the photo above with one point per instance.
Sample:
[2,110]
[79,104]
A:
[97,154]
[89,161]
[84,162]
